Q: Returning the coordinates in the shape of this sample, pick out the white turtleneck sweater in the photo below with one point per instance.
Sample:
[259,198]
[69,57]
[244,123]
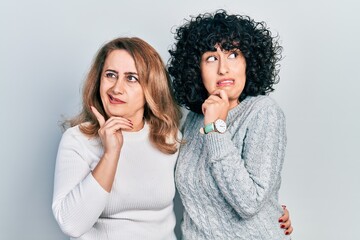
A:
[140,204]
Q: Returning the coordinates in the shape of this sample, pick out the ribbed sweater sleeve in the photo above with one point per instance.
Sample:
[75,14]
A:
[78,198]
[246,180]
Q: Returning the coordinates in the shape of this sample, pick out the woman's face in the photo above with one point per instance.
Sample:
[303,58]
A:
[120,90]
[224,70]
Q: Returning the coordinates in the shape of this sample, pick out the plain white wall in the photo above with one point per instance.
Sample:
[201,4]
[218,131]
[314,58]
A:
[47,46]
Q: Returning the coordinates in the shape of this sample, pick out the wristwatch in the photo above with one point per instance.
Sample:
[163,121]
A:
[217,126]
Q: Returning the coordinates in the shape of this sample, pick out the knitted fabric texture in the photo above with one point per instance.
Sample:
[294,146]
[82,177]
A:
[229,182]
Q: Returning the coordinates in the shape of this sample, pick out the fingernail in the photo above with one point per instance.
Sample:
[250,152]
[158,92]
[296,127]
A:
[286,233]
[280,220]
[282,226]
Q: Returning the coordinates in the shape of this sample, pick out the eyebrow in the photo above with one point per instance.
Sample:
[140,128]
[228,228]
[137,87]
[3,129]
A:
[110,70]
[131,73]
[126,73]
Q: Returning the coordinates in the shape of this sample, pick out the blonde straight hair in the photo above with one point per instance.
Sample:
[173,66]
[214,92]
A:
[161,112]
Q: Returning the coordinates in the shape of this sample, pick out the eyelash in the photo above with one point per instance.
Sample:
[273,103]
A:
[130,78]
[208,59]
[234,53]
[110,75]
[135,79]
[215,58]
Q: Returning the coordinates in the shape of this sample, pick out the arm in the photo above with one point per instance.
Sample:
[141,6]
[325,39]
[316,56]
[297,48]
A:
[78,198]
[80,195]
[246,180]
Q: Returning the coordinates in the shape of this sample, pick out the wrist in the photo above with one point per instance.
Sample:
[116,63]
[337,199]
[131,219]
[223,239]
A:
[111,155]
[217,126]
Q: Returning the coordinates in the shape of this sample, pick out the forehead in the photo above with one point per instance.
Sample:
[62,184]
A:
[120,59]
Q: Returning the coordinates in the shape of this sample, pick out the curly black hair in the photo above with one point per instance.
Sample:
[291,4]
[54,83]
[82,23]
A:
[201,34]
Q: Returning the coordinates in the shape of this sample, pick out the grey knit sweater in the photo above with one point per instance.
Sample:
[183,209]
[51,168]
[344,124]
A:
[229,182]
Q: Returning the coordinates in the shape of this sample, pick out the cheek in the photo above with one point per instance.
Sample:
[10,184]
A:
[242,68]
[103,90]
[139,96]
[209,88]
[141,99]
[206,78]
[242,71]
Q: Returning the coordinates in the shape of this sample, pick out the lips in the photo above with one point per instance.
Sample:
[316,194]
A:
[115,100]
[225,82]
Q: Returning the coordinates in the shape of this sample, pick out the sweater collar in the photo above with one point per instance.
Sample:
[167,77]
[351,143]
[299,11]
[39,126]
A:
[234,112]
[139,135]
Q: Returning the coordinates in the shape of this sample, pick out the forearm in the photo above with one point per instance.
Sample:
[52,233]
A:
[78,210]
[247,169]
[242,190]
[78,198]
[105,171]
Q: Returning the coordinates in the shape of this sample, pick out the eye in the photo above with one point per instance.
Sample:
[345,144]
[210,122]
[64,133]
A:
[233,55]
[211,59]
[110,75]
[132,78]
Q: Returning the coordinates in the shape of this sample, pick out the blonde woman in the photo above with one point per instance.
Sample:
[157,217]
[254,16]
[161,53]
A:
[114,176]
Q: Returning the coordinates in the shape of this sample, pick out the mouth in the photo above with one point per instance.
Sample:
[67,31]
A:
[115,100]
[225,82]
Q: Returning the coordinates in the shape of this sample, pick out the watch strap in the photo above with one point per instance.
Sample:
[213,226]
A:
[210,127]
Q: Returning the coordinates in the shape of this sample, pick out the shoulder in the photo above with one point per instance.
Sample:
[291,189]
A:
[264,104]
[262,101]
[74,134]
[259,110]
[74,141]
[266,111]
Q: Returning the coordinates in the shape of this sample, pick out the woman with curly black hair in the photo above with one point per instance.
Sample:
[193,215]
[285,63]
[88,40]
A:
[228,173]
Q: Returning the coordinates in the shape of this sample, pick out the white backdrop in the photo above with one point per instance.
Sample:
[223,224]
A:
[47,46]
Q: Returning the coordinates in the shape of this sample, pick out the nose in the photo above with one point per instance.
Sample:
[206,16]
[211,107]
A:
[223,66]
[118,87]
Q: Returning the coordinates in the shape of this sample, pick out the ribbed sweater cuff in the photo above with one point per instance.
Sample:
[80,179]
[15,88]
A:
[218,144]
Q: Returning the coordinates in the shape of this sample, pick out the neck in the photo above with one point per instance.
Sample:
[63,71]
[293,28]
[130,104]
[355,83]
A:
[138,124]
[234,104]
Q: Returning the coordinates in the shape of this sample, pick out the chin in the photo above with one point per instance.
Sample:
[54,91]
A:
[118,115]
[113,114]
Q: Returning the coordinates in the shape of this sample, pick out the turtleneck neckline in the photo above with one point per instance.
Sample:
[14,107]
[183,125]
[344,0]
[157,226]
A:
[141,134]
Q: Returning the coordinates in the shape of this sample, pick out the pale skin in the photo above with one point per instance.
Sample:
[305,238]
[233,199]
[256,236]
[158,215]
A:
[224,75]
[123,100]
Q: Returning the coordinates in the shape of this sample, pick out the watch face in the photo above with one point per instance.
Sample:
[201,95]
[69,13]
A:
[220,126]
